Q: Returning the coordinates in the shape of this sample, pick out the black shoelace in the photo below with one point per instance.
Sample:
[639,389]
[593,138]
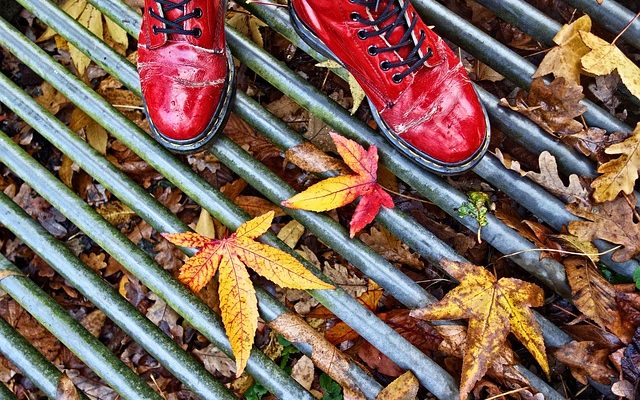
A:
[177,25]
[393,12]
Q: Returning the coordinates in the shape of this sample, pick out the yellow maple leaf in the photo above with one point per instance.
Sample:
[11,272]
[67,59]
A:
[620,174]
[564,60]
[494,308]
[231,257]
[604,58]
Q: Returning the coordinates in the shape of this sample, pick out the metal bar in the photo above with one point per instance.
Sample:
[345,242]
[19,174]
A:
[612,16]
[31,362]
[182,365]
[356,316]
[57,321]
[360,318]
[500,57]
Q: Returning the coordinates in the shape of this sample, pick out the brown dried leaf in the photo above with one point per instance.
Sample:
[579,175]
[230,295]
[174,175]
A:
[310,158]
[549,178]
[586,360]
[612,221]
[66,389]
[303,372]
[553,107]
[247,137]
[216,362]
[255,206]
[390,247]
[116,212]
[93,322]
[324,355]
[594,296]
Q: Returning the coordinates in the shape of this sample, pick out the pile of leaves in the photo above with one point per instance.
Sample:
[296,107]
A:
[488,297]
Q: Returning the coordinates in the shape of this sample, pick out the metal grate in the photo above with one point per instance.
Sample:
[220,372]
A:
[190,372]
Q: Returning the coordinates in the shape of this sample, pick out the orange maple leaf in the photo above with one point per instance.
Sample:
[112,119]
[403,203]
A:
[231,256]
[339,191]
[494,308]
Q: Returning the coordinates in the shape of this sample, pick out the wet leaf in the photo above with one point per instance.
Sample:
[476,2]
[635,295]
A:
[612,221]
[494,308]
[620,174]
[116,212]
[553,107]
[231,256]
[404,387]
[303,372]
[564,60]
[390,247]
[586,360]
[594,296]
[604,58]
[336,192]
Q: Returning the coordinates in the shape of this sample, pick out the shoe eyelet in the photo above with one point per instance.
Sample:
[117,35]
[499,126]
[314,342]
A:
[355,16]
[197,32]
[397,78]
[385,65]
[198,12]
[372,50]
[362,34]
[154,29]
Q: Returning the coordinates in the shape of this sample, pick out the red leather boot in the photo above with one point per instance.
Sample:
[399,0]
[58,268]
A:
[186,71]
[419,92]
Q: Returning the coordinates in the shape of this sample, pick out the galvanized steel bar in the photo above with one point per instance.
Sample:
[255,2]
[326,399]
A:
[28,359]
[500,57]
[57,321]
[360,318]
[140,264]
[356,316]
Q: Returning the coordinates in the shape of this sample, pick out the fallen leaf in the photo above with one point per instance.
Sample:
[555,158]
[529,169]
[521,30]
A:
[549,178]
[97,137]
[255,206]
[586,360]
[90,18]
[7,273]
[247,25]
[630,362]
[231,256]
[215,361]
[620,174]
[594,296]
[303,372]
[205,225]
[612,221]
[604,58]
[553,107]
[116,212]
[310,158]
[494,308]
[336,192]
[326,357]
[564,60]
[404,387]
[93,322]
[390,247]
[581,246]
[66,390]
[72,7]
[291,233]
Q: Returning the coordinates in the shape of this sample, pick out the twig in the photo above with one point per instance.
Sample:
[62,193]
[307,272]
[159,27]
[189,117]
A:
[627,26]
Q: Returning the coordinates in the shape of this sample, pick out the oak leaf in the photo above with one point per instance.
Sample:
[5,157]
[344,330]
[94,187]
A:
[604,58]
[231,257]
[553,107]
[564,60]
[612,221]
[494,308]
[339,191]
[586,360]
[620,174]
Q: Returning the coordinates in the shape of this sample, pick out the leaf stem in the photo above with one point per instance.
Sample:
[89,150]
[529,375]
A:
[626,27]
